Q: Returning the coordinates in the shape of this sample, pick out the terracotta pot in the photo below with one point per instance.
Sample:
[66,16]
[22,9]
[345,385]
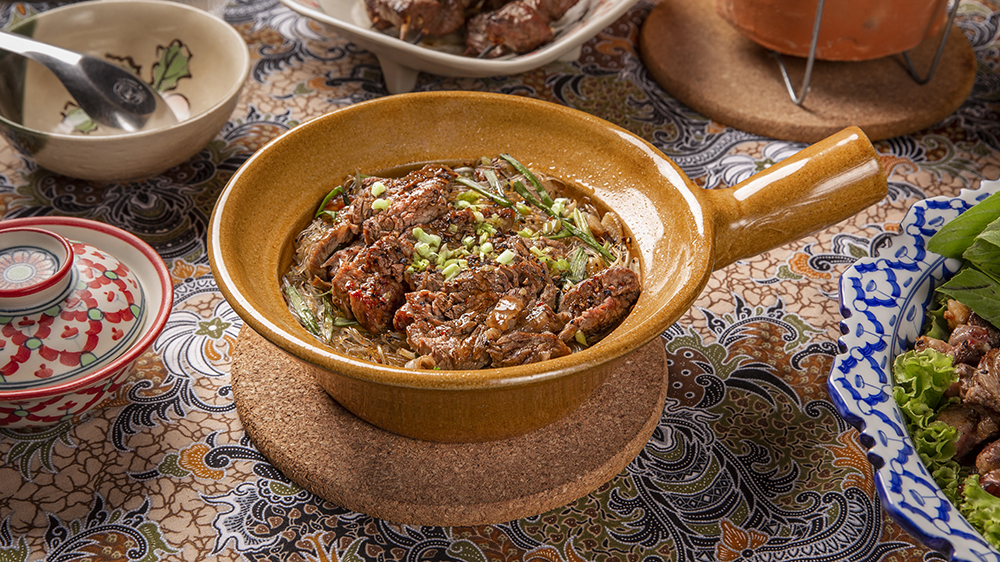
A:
[852,30]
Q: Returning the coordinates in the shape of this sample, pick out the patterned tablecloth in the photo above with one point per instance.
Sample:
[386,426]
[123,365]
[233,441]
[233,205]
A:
[749,461]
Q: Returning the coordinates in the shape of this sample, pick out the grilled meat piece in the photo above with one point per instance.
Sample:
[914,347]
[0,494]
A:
[418,202]
[966,380]
[599,302]
[518,27]
[985,387]
[371,285]
[521,348]
[415,198]
[475,310]
[429,17]
[975,425]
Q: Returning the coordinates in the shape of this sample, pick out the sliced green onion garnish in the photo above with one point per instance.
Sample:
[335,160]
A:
[303,311]
[451,270]
[378,188]
[380,204]
[333,193]
[484,192]
[578,266]
[494,181]
[546,198]
[506,257]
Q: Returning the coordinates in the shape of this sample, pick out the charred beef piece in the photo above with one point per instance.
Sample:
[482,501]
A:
[518,27]
[926,342]
[990,482]
[421,199]
[968,343]
[478,314]
[371,285]
[984,388]
[521,348]
[975,425]
[992,336]
[429,17]
[988,467]
[966,380]
[599,302]
[415,198]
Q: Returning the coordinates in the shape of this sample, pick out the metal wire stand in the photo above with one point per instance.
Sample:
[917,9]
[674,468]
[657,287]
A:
[799,97]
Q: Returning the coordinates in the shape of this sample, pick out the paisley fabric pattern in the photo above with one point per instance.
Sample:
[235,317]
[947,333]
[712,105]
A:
[750,460]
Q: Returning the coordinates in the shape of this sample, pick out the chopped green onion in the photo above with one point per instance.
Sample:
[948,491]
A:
[506,257]
[503,202]
[422,248]
[486,247]
[380,204]
[329,318]
[451,270]
[580,337]
[304,313]
[559,206]
[468,196]
[378,188]
[333,193]
[578,266]
[546,198]
[494,182]
[433,239]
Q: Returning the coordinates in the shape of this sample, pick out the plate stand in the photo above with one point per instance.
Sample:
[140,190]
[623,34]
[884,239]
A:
[330,452]
[705,63]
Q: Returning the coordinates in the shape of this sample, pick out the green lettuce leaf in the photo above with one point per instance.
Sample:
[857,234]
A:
[920,378]
[950,477]
[981,509]
[936,325]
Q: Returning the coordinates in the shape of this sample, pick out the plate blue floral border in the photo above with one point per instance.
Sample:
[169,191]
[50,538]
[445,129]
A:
[882,300]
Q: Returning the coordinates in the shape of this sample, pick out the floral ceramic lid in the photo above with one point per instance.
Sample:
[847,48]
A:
[66,308]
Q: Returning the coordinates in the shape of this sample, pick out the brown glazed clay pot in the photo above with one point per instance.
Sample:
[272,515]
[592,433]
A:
[681,233]
[852,30]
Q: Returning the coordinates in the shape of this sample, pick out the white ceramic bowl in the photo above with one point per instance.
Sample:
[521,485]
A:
[209,62]
[401,61]
[42,402]
[883,300]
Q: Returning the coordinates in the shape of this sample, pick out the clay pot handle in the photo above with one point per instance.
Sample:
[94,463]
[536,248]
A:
[817,187]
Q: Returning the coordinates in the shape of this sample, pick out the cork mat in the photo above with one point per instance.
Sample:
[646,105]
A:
[337,456]
[705,63]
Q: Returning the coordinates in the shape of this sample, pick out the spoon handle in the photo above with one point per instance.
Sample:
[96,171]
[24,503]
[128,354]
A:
[37,50]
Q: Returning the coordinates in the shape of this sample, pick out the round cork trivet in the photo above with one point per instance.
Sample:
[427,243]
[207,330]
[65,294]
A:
[706,64]
[330,452]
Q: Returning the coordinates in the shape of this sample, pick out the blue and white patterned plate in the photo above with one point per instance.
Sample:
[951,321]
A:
[883,299]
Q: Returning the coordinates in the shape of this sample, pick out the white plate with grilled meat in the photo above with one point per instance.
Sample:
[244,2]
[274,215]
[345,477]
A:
[401,60]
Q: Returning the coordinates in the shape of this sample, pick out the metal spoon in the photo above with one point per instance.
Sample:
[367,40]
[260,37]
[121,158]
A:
[109,94]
